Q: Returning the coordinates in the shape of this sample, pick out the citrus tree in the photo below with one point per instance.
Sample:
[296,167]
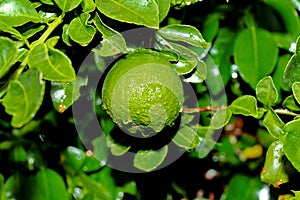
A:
[150,99]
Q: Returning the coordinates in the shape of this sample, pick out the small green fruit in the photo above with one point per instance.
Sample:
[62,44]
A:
[143,93]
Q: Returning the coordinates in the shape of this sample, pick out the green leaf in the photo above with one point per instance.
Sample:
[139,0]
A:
[74,158]
[112,43]
[18,154]
[291,103]
[79,30]
[186,137]
[183,33]
[9,54]
[292,70]
[296,91]
[255,53]
[88,6]
[65,35]
[9,29]
[18,12]
[288,14]
[64,94]
[278,74]
[220,118]
[48,2]
[199,75]
[207,142]
[2,191]
[67,5]
[129,188]
[100,149]
[221,52]
[31,32]
[52,63]
[163,8]
[115,148]
[149,160]
[297,195]
[144,13]
[266,91]
[243,187]
[291,142]
[24,97]
[211,26]
[47,184]
[273,123]
[245,105]
[274,168]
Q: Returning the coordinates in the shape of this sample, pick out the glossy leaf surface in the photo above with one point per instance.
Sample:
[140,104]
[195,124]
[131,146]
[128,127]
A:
[52,63]
[243,187]
[296,91]
[64,94]
[47,185]
[255,53]
[18,12]
[274,168]
[245,105]
[184,33]
[266,91]
[67,5]
[9,53]
[112,43]
[24,97]
[291,142]
[273,123]
[138,12]
[149,160]
[80,31]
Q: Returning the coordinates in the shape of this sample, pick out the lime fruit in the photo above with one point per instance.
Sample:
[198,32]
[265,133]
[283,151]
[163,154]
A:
[143,93]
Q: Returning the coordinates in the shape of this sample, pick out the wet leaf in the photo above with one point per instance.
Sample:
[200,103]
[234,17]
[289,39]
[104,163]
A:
[163,8]
[80,31]
[9,54]
[291,142]
[52,63]
[67,5]
[220,118]
[112,43]
[186,137]
[266,91]
[296,91]
[149,160]
[138,12]
[18,12]
[100,150]
[273,123]
[221,52]
[88,6]
[291,103]
[243,187]
[245,105]
[183,33]
[66,93]
[255,53]
[47,185]
[211,26]
[274,168]
[292,71]
[24,97]
[74,158]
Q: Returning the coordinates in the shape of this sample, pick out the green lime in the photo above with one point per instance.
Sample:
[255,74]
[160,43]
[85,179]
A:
[142,92]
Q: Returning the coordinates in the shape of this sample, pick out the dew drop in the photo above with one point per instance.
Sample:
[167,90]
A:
[61,108]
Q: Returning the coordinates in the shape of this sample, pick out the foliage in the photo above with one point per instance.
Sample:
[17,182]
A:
[244,69]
